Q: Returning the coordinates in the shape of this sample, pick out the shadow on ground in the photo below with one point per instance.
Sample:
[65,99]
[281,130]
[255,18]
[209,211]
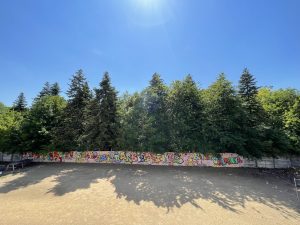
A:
[166,187]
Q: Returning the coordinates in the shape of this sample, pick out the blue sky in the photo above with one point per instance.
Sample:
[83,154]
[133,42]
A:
[131,39]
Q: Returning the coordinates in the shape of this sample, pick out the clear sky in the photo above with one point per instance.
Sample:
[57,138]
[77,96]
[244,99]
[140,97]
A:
[48,40]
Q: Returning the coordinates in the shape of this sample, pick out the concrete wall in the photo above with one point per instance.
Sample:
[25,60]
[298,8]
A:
[269,162]
[7,157]
[142,158]
[168,158]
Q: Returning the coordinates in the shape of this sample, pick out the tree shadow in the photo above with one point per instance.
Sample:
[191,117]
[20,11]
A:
[167,187]
[170,187]
[30,175]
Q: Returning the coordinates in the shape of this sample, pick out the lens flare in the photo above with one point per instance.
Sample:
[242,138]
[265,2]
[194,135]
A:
[148,4]
[150,12]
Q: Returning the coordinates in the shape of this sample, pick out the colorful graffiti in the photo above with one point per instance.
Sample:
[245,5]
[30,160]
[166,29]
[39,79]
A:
[141,158]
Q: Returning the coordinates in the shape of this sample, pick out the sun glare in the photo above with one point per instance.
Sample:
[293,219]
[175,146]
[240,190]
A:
[150,12]
[147,4]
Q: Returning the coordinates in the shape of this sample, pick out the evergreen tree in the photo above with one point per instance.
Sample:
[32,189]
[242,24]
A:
[20,104]
[224,116]
[68,134]
[46,91]
[157,132]
[248,93]
[253,121]
[102,123]
[134,122]
[55,89]
[186,110]
[253,124]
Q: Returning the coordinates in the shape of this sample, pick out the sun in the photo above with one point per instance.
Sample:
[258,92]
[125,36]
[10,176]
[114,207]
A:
[148,4]
[148,13]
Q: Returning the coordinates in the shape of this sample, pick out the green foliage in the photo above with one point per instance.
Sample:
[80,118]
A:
[133,121]
[281,109]
[46,91]
[276,103]
[68,135]
[55,89]
[144,118]
[253,126]
[20,103]
[187,118]
[292,124]
[101,118]
[157,130]
[249,120]
[38,126]
[248,93]
[49,90]
[3,108]
[224,116]
[10,131]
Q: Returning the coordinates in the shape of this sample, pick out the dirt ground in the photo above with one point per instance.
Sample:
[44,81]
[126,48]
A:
[123,194]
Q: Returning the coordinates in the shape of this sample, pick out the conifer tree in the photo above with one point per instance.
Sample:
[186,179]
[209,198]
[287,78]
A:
[102,123]
[186,110]
[253,123]
[68,134]
[46,91]
[157,132]
[20,103]
[55,89]
[223,130]
[248,94]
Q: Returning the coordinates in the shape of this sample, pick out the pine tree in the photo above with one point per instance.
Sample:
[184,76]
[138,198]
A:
[68,134]
[55,89]
[20,104]
[186,110]
[102,123]
[46,91]
[157,131]
[224,116]
[253,114]
[248,93]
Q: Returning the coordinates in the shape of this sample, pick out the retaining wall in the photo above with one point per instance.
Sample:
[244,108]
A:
[166,159]
[141,158]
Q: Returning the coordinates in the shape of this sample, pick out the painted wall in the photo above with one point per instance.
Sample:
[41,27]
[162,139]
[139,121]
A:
[141,158]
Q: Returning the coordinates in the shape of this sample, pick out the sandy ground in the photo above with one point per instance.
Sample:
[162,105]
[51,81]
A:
[119,194]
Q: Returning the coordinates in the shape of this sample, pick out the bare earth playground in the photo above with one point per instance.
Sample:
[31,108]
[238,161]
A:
[67,193]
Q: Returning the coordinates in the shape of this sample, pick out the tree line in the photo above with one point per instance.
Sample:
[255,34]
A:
[182,117]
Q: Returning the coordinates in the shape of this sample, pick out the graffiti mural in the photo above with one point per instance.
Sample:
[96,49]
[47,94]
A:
[140,158]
